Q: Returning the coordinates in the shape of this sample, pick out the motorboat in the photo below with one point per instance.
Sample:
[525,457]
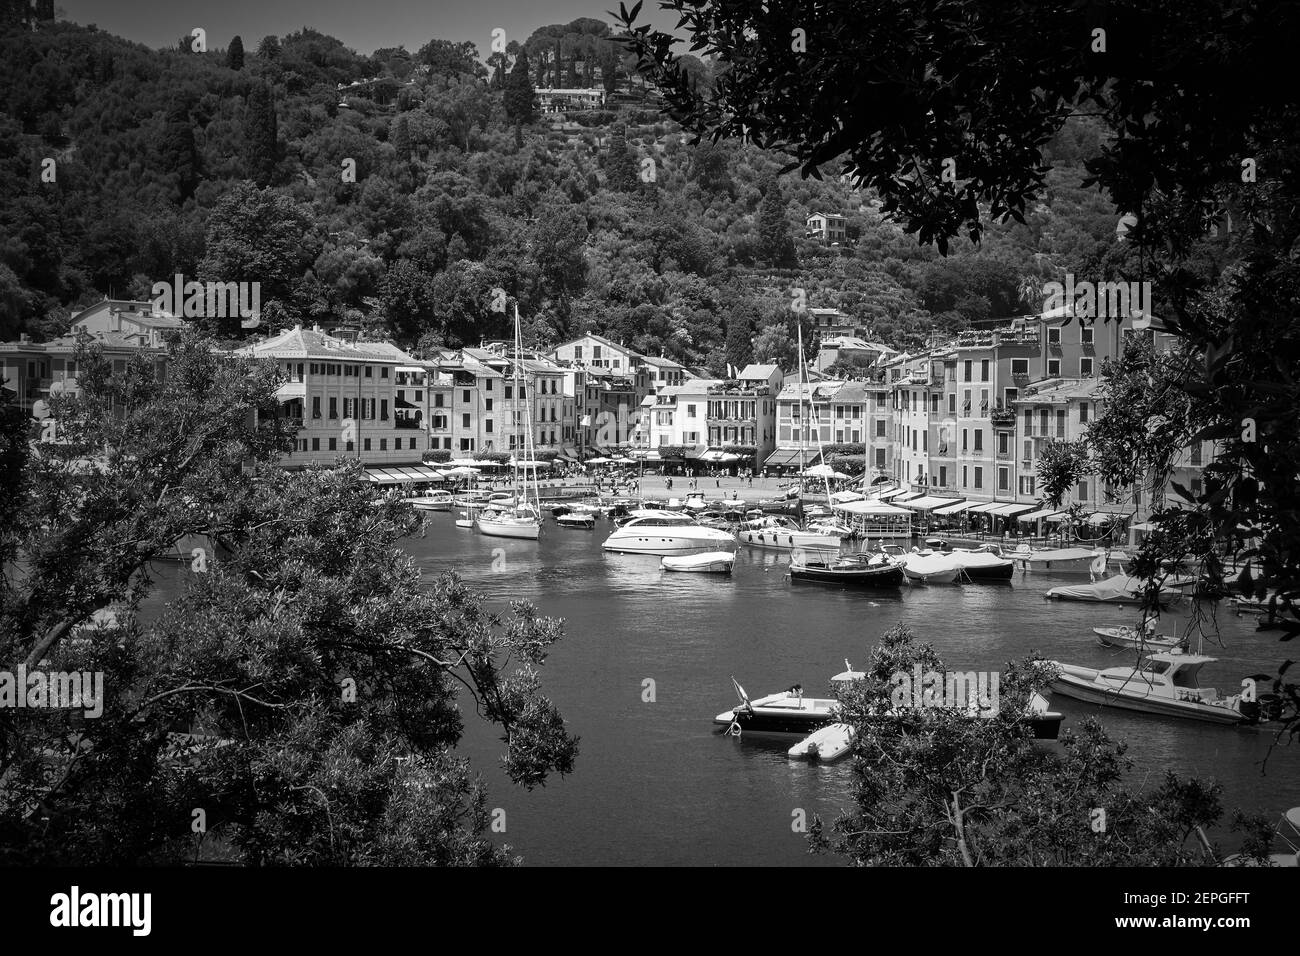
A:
[1132,637]
[433,500]
[982,564]
[864,570]
[782,533]
[790,712]
[931,568]
[1164,683]
[1119,589]
[583,521]
[709,562]
[1062,560]
[666,533]
[695,501]
[786,712]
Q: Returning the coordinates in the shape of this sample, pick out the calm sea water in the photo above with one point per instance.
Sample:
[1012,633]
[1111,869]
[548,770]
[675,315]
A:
[655,783]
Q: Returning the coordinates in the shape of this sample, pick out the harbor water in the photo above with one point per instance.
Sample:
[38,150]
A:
[656,784]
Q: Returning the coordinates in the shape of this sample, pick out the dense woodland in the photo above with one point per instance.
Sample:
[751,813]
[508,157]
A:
[231,164]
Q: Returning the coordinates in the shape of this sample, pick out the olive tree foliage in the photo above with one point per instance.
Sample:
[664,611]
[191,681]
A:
[943,108]
[936,786]
[300,683]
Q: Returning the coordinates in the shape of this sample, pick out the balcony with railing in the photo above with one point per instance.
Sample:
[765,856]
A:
[1002,417]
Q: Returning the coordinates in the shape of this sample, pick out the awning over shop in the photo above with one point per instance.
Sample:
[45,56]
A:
[1007,511]
[926,502]
[784,457]
[892,493]
[1106,517]
[870,508]
[953,509]
[986,508]
[910,496]
[397,476]
[1040,513]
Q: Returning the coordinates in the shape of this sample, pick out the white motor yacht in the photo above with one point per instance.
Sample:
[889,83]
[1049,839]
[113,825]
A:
[782,533]
[666,533]
[1165,683]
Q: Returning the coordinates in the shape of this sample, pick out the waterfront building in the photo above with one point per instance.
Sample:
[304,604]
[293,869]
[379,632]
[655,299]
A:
[343,396]
[742,412]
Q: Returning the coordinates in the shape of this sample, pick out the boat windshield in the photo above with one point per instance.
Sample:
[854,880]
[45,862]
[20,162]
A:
[1155,667]
[666,520]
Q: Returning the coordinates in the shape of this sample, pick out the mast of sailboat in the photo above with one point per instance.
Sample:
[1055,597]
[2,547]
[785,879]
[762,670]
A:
[528,427]
[802,386]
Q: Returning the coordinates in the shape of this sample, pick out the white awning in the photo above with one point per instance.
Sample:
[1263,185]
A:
[910,496]
[953,509]
[986,508]
[1040,513]
[892,493]
[927,502]
[870,508]
[1006,511]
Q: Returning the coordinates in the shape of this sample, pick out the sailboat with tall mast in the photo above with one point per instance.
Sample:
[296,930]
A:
[780,532]
[523,518]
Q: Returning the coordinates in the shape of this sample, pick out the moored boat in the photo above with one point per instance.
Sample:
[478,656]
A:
[784,534]
[1166,684]
[666,533]
[825,744]
[863,570]
[1119,589]
[583,521]
[1062,560]
[1132,637]
[928,567]
[982,564]
[709,562]
[432,501]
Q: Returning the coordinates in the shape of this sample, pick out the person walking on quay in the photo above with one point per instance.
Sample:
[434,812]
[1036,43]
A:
[717,482]
[669,483]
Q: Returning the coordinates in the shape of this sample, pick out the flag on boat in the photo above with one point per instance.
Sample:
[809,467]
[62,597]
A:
[741,691]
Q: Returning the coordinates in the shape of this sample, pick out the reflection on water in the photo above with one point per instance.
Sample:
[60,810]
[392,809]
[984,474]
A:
[656,783]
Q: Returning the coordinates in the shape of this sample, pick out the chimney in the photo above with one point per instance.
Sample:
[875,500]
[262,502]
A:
[24,338]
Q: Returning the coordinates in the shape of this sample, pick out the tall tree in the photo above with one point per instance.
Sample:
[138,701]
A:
[261,139]
[620,164]
[774,226]
[178,153]
[235,54]
[520,100]
[402,139]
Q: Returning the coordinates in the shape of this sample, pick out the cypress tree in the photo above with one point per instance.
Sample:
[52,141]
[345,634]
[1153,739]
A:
[260,134]
[235,54]
[520,100]
[402,139]
[620,166]
[178,151]
[774,227]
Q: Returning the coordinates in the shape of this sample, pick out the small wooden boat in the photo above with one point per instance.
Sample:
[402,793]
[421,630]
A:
[855,570]
[710,562]
[829,743]
[581,521]
[1131,637]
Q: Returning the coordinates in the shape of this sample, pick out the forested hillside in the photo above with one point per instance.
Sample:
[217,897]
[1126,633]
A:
[235,164]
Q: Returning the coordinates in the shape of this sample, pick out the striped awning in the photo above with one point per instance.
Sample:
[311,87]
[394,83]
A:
[892,493]
[1006,511]
[953,509]
[1040,513]
[397,476]
[910,496]
[785,456]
